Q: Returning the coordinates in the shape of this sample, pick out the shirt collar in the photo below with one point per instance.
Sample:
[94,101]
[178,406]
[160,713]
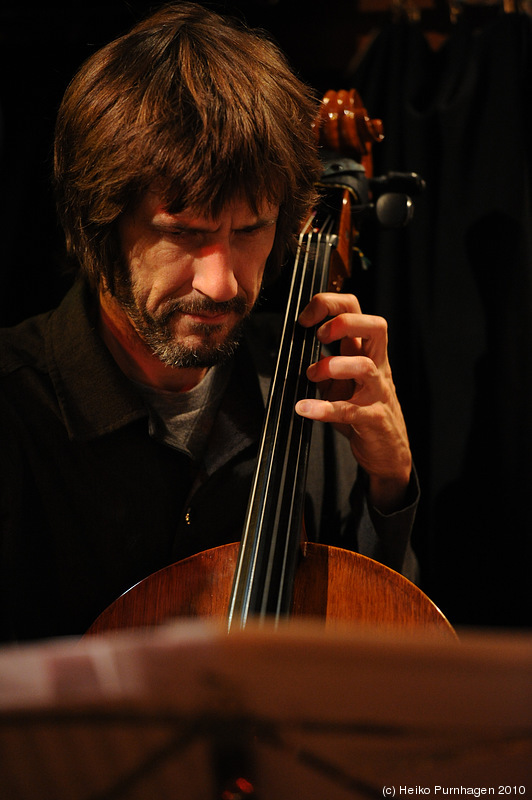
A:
[94,396]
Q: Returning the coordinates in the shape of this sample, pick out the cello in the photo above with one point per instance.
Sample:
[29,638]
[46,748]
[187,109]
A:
[274,572]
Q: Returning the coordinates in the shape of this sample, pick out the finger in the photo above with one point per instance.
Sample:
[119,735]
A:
[339,412]
[352,326]
[359,334]
[319,410]
[360,369]
[328,304]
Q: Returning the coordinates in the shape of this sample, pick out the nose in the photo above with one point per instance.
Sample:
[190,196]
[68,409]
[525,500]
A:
[214,273]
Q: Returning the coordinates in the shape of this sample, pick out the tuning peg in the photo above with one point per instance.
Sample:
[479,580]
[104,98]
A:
[394,210]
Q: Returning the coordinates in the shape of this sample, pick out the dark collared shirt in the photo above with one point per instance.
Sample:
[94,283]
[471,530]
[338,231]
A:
[91,503]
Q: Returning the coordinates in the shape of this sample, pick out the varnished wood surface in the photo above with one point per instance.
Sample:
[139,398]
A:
[334,584]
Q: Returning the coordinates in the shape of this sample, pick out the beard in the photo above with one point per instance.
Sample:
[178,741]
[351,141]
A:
[156,330]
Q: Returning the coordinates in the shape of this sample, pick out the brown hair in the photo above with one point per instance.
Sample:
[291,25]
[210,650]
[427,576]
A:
[204,106]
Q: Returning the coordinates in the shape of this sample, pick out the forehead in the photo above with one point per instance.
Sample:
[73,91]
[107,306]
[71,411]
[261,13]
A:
[154,205]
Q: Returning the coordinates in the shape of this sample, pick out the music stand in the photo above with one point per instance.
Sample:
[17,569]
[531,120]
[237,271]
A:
[184,710]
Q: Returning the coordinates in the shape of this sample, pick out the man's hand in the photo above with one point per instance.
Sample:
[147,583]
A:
[358,394]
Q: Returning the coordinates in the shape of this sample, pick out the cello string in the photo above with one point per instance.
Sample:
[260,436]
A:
[276,470]
[248,555]
[300,436]
[285,459]
[293,441]
[286,454]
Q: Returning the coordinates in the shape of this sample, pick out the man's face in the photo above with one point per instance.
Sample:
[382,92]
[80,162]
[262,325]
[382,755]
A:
[191,280]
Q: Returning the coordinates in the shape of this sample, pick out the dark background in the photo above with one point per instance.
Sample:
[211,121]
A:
[456,285]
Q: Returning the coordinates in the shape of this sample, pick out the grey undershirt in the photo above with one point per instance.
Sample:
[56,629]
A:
[184,420]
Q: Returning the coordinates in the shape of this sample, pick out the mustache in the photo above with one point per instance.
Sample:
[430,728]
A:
[236,305]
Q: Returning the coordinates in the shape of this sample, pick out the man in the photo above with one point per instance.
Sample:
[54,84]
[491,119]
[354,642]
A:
[130,416]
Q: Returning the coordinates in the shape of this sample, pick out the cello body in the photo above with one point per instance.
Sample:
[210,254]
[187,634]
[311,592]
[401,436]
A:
[332,584]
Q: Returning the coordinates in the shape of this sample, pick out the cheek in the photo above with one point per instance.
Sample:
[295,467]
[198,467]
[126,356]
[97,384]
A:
[157,272]
[255,265]
[250,281]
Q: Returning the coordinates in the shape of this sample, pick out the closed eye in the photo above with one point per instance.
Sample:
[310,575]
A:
[181,233]
[257,228]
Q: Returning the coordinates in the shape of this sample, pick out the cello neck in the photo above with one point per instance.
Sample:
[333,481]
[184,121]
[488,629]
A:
[270,544]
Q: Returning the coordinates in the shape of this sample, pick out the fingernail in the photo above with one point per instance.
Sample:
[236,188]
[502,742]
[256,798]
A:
[303,407]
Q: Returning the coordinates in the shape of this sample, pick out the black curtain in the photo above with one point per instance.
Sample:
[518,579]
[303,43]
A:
[456,287]
[41,46]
